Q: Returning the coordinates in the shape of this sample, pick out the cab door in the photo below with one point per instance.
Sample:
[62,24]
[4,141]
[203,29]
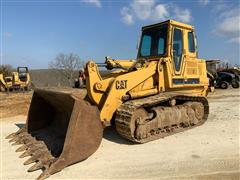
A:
[177,51]
[177,57]
[185,63]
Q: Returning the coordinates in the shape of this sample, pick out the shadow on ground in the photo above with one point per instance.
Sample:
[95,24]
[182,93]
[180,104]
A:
[110,133]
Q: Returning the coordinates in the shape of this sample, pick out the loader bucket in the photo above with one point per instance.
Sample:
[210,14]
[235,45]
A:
[61,129]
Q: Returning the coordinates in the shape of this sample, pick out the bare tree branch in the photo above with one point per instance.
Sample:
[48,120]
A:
[6,69]
[67,65]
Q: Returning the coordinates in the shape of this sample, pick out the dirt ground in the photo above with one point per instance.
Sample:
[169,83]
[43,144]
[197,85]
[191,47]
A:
[14,104]
[210,151]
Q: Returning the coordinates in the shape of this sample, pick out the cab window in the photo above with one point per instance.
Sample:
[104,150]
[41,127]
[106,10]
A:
[153,42]
[146,45]
[191,43]
[177,48]
[161,46]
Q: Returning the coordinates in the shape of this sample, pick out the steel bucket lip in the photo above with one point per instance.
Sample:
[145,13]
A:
[69,155]
[80,94]
[66,157]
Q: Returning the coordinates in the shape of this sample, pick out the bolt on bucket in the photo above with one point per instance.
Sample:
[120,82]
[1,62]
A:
[61,129]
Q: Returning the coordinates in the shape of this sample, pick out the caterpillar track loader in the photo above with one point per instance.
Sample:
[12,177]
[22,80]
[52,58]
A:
[160,93]
[20,80]
[5,82]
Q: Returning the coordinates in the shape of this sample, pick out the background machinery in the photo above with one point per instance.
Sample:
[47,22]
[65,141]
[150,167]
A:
[221,78]
[19,80]
[225,79]
[5,82]
[160,93]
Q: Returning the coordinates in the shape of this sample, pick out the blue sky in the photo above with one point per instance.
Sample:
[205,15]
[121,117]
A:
[34,32]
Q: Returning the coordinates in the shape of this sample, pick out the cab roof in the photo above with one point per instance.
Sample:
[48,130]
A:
[171,22]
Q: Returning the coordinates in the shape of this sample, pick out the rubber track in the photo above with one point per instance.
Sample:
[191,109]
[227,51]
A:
[126,110]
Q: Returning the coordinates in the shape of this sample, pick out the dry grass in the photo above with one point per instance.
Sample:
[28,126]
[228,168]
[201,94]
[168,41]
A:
[14,104]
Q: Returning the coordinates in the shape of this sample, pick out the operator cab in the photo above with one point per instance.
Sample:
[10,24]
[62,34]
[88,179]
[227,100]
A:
[22,73]
[166,39]
[153,41]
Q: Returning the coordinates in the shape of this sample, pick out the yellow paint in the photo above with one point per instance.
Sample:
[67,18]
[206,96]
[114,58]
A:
[149,77]
[15,81]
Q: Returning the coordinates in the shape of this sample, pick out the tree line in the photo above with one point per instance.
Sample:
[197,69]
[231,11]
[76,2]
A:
[68,65]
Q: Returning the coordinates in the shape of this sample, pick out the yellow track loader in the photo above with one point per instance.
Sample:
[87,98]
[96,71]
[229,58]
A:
[20,80]
[5,82]
[162,92]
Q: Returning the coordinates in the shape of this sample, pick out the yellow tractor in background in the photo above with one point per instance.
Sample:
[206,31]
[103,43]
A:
[5,82]
[19,80]
[161,93]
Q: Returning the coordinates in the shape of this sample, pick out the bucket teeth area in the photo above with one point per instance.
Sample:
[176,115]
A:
[30,146]
[58,131]
[44,175]
[22,148]
[11,136]
[31,160]
[25,154]
[13,139]
[35,167]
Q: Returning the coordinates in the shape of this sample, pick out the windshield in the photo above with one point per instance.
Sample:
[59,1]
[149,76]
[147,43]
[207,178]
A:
[22,70]
[153,42]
